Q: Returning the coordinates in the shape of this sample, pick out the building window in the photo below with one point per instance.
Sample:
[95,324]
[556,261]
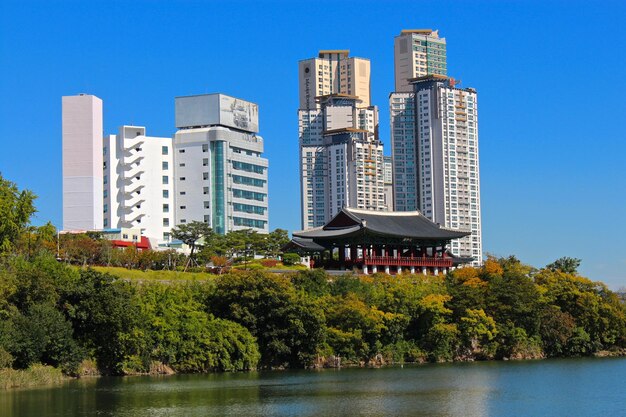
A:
[182,178]
[166,208]
[205,148]
[166,222]
[166,194]
[183,207]
[164,165]
[164,150]
[181,151]
[166,179]
[205,175]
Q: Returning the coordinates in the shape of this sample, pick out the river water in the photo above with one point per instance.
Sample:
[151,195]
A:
[566,387]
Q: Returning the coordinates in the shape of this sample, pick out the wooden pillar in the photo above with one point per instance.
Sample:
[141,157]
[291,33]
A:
[342,256]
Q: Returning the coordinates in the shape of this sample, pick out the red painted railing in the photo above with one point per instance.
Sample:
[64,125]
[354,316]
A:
[405,261]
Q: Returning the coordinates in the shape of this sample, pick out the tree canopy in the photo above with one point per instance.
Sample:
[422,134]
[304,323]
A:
[16,208]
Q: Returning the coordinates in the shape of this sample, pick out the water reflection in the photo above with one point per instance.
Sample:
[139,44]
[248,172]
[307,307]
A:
[567,387]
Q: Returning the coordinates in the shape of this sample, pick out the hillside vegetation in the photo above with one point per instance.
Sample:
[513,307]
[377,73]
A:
[57,318]
[57,315]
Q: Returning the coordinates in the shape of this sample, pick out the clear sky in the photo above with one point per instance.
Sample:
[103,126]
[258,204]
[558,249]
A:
[550,78]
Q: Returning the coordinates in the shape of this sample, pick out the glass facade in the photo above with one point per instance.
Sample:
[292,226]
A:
[217,177]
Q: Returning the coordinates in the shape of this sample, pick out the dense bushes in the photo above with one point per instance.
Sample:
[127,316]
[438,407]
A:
[52,314]
[58,316]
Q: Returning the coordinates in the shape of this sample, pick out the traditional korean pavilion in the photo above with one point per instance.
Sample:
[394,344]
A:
[372,241]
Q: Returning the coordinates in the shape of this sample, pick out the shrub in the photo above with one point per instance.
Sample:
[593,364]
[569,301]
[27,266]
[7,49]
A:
[269,263]
[291,259]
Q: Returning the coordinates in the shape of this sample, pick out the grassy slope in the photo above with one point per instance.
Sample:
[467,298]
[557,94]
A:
[138,275]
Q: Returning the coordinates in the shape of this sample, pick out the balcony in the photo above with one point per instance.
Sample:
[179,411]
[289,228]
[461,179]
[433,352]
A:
[406,261]
[132,172]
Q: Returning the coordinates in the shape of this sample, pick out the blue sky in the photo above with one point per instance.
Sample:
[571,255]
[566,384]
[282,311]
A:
[550,79]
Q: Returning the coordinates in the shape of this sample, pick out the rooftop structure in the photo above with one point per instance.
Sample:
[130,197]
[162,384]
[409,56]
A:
[333,72]
[418,52]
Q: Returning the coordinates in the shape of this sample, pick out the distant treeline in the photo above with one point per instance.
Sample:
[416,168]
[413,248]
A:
[58,315]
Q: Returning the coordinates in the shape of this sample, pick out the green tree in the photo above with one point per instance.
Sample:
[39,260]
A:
[512,298]
[556,330]
[565,264]
[594,308]
[478,331]
[442,341]
[188,339]
[190,234]
[312,281]
[245,242]
[43,335]
[359,331]
[107,321]
[289,327]
[274,242]
[16,209]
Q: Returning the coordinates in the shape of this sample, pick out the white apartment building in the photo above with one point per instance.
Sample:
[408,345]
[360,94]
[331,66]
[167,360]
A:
[82,162]
[434,136]
[220,176]
[138,183]
[333,72]
[341,159]
[418,52]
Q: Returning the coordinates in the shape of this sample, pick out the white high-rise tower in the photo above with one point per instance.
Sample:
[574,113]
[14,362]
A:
[82,162]
[435,156]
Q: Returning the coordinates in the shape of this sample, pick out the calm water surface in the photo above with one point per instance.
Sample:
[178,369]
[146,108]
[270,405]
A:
[573,387]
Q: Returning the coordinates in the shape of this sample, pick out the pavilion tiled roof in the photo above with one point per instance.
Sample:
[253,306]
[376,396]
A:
[351,222]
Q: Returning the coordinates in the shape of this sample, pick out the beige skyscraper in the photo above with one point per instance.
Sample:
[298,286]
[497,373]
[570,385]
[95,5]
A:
[334,72]
[341,157]
[417,53]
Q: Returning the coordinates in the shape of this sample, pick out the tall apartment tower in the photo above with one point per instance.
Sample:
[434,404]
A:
[341,157]
[82,162]
[220,176]
[388,181]
[434,138]
[435,156]
[418,52]
[138,183]
[334,72]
